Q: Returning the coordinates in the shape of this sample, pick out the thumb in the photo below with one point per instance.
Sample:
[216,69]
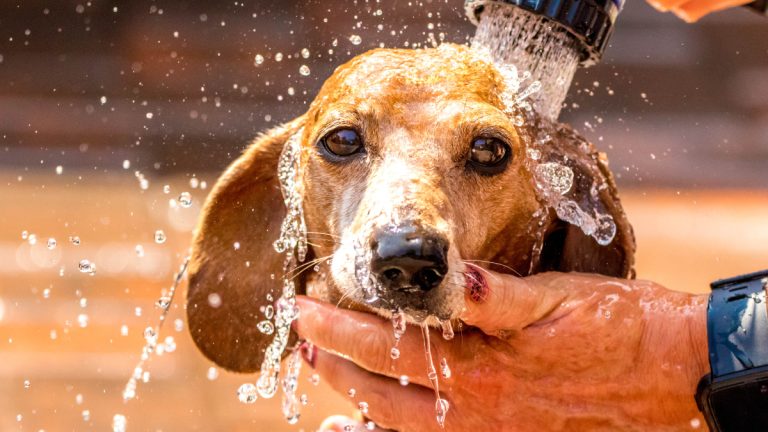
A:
[497,301]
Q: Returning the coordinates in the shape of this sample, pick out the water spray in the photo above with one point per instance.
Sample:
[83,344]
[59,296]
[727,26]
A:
[549,39]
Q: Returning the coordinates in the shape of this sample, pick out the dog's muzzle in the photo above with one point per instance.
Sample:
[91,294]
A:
[409,259]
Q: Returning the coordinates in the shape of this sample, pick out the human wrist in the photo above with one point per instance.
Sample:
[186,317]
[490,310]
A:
[674,355]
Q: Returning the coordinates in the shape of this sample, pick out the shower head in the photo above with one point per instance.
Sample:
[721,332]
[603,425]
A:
[589,22]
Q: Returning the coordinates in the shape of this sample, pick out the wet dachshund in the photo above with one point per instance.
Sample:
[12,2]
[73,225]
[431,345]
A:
[413,176]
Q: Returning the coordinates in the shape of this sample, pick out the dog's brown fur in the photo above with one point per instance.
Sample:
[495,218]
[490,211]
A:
[417,109]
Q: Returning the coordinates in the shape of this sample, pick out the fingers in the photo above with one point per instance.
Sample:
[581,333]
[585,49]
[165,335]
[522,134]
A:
[694,10]
[496,301]
[366,339]
[388,404]
[666,5]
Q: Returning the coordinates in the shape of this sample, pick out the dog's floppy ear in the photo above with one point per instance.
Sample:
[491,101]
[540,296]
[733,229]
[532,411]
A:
[234,266]
[587,229]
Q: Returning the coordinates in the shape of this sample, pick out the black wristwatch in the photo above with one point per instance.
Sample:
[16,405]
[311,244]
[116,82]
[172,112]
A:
[734,396]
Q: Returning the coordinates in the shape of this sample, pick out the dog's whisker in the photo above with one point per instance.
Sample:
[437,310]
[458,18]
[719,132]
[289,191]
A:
[346,295]
[303,267]
[471,262]
[315,244]
[324,233]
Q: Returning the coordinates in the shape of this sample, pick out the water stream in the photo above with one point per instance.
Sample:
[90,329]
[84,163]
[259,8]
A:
[534,45]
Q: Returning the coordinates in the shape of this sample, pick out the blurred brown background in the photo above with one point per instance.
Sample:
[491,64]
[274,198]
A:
[172,88]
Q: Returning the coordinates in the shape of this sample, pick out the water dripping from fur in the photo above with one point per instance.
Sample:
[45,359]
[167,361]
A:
[441,405]
[293,243]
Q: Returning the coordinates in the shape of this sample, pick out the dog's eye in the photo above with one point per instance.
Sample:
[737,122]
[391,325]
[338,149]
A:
[342,142]
[489,155]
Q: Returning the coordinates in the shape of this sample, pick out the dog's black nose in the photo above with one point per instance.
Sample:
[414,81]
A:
[409,258]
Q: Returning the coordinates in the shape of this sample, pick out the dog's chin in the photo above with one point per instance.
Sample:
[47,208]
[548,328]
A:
[442,304]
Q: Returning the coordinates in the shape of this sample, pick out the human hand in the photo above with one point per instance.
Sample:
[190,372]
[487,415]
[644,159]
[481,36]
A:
[548,352]
[692,10]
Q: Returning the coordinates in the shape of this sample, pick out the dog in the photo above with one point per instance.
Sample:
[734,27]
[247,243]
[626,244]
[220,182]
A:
[413,171]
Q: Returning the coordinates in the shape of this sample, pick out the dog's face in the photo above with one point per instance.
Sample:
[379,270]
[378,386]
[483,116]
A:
[411,172]
[412,164]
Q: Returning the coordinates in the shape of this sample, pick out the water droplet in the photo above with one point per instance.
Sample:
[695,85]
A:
[160,237]
[185,199]
[355,39]
[363,407]
[51,243]
[351,392]
[214,300]
[303,399]
[163,302]
[404,380]
[24,234]
[304,70]
[75,240]
[555,177]
[445,370]
[27,384]
[139,251]
[266,327]
[447,329]
[258,59]
[86,266]
[170,344]
[126,164]
[314,379]
[212,373]
[279,57]
[370,425]
[394,353]
[46,293]
[441,409]
[269,311]
[32,239]
[119,423]
[59,169]
[83,302]
[287,309]
[123,330]
[86,415]
[398,324]
[178,324]
[247,393]
[129,392]
[305,53]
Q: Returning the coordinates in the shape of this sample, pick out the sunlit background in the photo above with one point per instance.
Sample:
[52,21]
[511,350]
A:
[109,110]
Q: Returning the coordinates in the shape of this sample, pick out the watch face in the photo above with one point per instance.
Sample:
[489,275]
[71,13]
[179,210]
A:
[741,407]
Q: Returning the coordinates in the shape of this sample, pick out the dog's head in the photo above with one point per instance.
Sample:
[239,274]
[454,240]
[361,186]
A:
[412,170]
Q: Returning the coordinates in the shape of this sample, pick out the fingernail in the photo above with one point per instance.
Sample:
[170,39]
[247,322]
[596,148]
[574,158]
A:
[308,353]
[477,288]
